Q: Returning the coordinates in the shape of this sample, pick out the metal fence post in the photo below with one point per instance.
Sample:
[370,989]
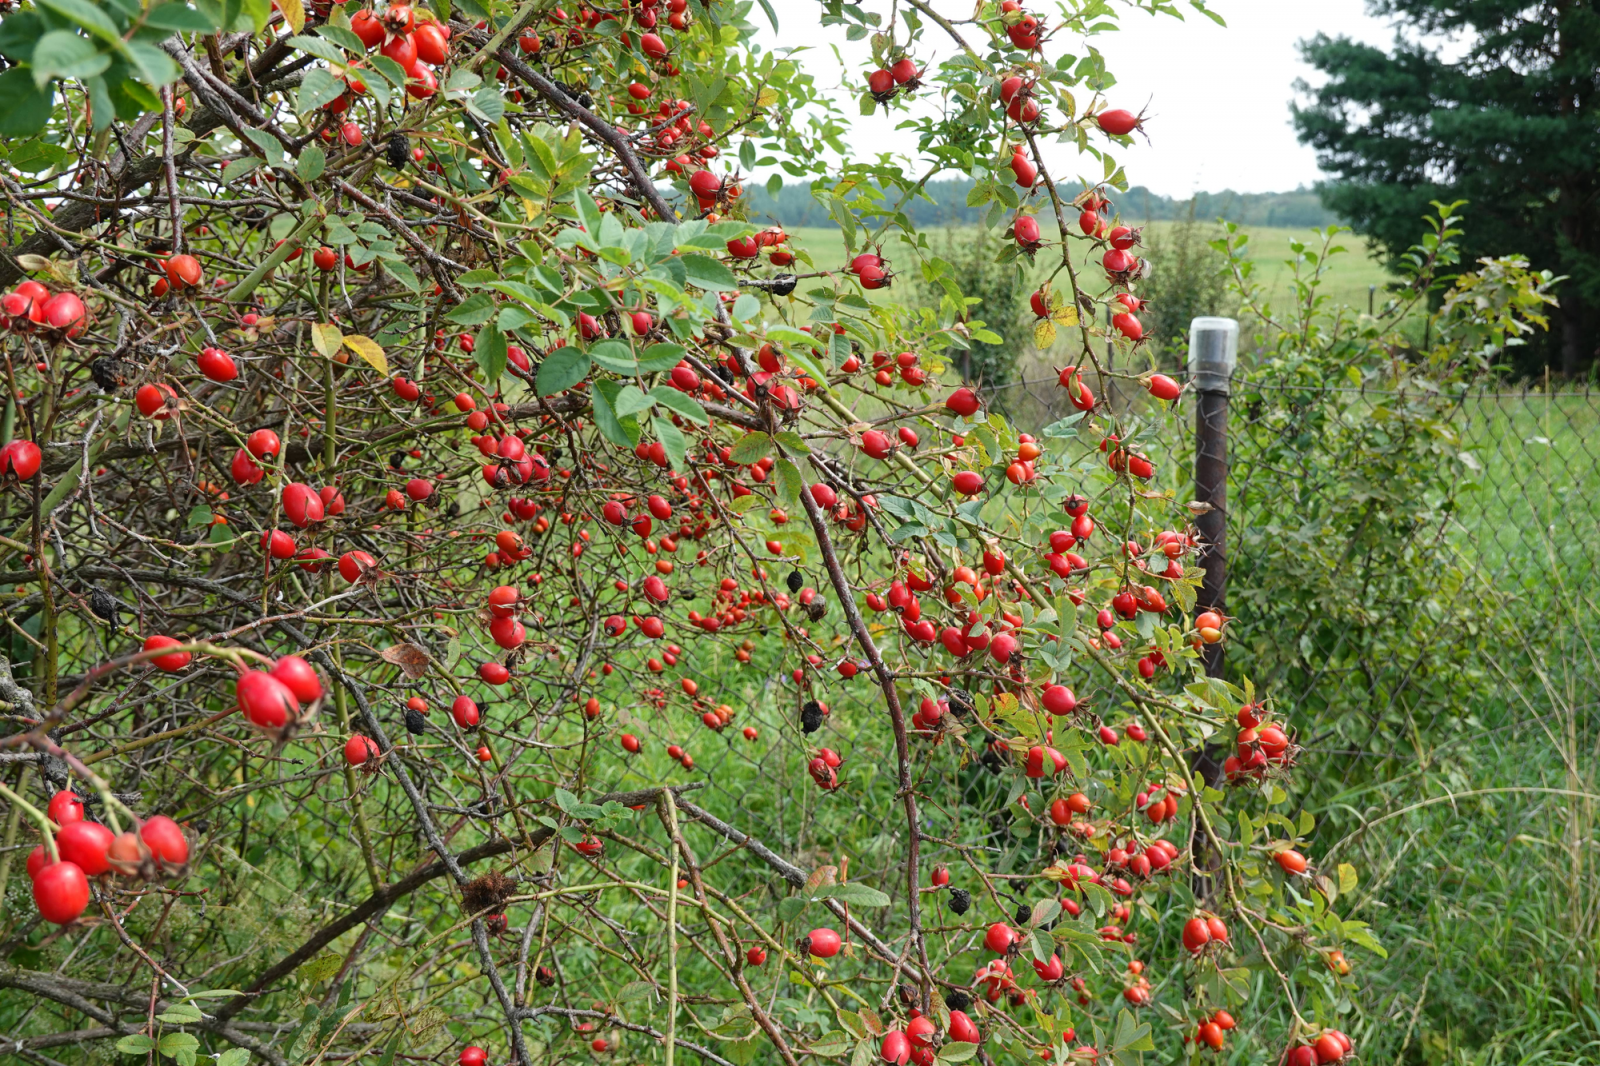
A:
[1213,353]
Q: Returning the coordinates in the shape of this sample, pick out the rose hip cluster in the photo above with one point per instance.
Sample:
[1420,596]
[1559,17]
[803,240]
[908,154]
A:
[80,849]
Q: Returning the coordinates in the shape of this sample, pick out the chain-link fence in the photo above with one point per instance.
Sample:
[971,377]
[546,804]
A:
[1412,580]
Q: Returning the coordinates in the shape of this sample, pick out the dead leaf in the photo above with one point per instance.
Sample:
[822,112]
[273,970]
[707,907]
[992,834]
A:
[822,875]
[412,660]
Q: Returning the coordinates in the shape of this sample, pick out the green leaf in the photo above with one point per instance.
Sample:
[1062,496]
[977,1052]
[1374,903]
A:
[487,104]
[489,352]
[575,807]
[623,432]
[234,1056]
[322,49]
[660,357]
[706,273]
[64,54]
[318,88]
[391,71]
[787,481]
[238,168]
[475,310]
[402,272]
[588,212]
[180,1014]
[135,1044]
[812,368]
[342,37]
[853,892]
[614,356]
[270,148]
[746,307]
[311,163]
[320,968]
[24,107]
[831,1044]
[631,400]
[957,1051]
[790,907]
[1130,1035]
[19,32]
[156,67]
[751,448]
[175,1043]
[92,19]
[673,441]
[561,369]
[685,405]
[792,441]
[634,991]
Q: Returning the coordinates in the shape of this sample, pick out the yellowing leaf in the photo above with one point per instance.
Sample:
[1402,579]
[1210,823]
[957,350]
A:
[1044,334]
[370,350]
[1347,878]
[294,13]
[532,208]
[1066,317]
[767,97]
[326,338]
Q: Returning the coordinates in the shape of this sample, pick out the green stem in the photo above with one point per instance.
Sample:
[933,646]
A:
[671,810]
[12,822]
[39,816]
[241,292]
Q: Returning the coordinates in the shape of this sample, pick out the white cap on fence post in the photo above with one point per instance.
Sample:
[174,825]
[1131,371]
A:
[1213,353]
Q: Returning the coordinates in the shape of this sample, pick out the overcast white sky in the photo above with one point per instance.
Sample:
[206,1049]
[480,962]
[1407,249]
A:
[1218,97]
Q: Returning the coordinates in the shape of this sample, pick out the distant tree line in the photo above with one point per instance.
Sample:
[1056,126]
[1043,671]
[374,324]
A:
[794,206]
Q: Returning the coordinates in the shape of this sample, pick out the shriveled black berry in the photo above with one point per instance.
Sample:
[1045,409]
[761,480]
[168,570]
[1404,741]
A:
[960,702]
[795,580]
[103,604]
[545,976]
[398,151]
[810,717]
[108,373]
[416,725]
[816,609]
[957,1000]
[397,460]
[1024,914]
[960,900]
[783,284]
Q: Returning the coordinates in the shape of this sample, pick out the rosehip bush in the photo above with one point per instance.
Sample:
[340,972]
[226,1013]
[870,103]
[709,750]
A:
[561,615]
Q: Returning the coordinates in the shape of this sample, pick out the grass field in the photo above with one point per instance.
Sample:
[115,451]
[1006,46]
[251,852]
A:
[1353,275]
